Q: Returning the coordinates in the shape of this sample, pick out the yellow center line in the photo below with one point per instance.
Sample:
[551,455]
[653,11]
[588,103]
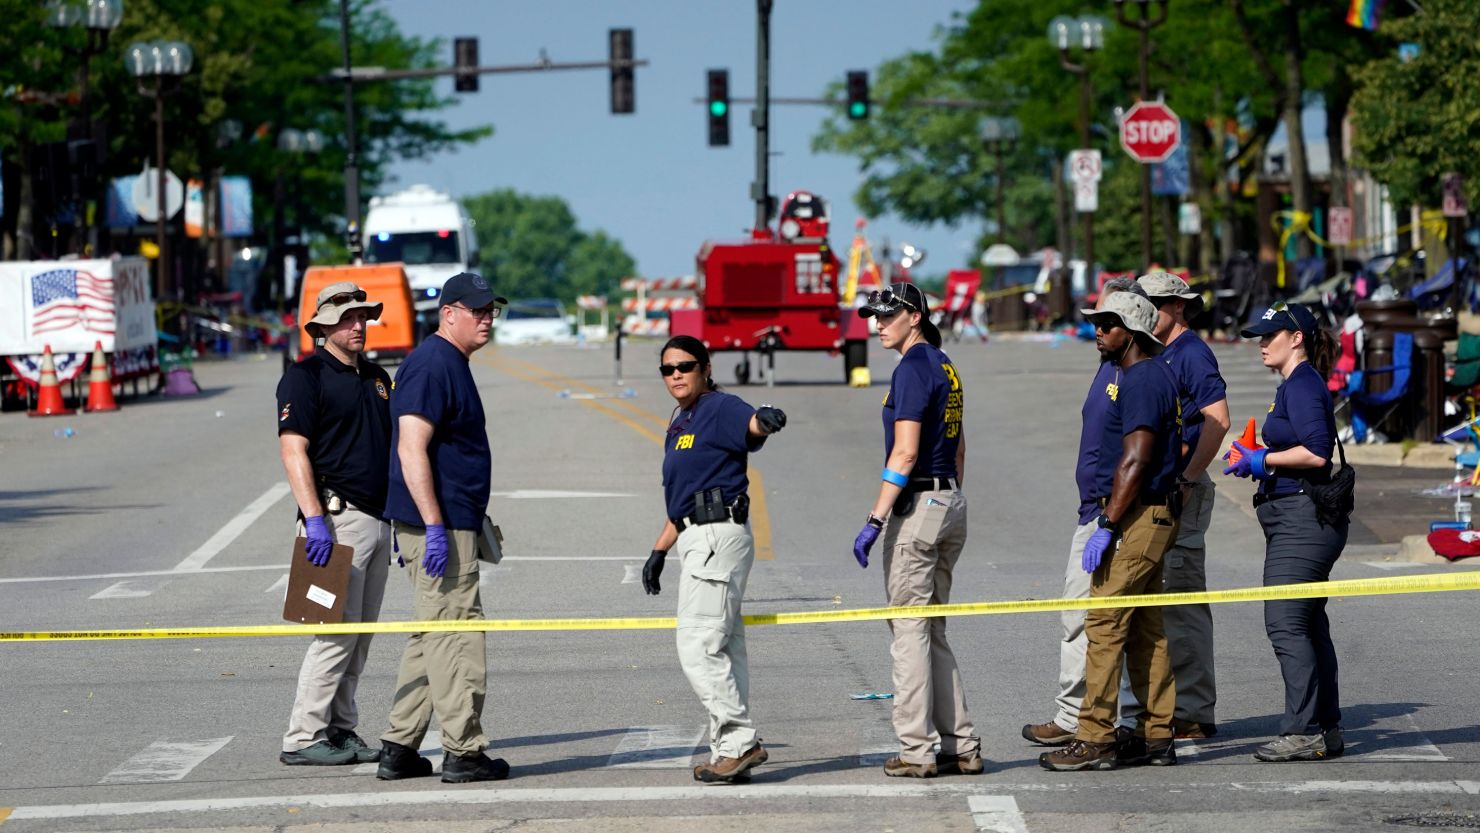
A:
[760,517]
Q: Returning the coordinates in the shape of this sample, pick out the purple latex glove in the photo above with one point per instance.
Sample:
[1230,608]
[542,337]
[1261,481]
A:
[434,561]
[320,540]
[1094,549]
[1251,464]
[865,542]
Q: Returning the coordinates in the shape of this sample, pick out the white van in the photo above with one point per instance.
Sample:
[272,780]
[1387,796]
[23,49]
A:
[430,233]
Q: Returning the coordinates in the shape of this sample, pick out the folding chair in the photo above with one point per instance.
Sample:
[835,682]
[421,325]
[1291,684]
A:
[1466,365]
[1372,408]
[1434,291]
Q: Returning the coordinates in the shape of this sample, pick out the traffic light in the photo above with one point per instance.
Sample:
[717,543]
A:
[624,92]
[719,107]
[857,94]
[465,54]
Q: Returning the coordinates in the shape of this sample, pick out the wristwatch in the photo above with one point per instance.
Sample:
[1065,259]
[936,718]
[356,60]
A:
[1105,523]
[876,523]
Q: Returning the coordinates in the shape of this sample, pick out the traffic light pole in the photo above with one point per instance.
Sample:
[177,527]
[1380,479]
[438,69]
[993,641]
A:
[351,152]
[760,189]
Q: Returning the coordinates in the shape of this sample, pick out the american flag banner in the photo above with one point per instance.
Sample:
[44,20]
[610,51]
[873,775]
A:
[62,299]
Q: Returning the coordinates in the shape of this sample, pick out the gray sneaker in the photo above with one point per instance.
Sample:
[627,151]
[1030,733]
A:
[322,753]
[1293,748]
[347,740]
[1335,744]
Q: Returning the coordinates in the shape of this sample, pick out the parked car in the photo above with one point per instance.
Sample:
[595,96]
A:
[534,321]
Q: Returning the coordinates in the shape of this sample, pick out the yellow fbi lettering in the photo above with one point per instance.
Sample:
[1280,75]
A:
[683,441]
[955,403]
[1112,390]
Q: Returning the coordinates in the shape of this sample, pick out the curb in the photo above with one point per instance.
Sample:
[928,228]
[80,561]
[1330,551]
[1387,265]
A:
[1427,456]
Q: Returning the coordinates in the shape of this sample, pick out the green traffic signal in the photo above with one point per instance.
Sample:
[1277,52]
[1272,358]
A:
[718,108]
[857,110]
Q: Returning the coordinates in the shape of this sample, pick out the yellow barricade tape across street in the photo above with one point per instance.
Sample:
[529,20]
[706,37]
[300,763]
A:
[1347,587]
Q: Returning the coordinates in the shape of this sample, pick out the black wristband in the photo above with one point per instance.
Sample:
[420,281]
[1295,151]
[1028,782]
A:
[1104,522]
[876,523]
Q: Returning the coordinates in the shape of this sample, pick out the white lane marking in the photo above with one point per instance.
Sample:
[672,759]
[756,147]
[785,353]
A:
[431,748]
[123,590]
[1186,748]
[877,744]
[233,528]
[997,814]
[632,573]
[737,792]
[575,558]
[1424,750]
[553,494]
[281,585]
[1394,565]
[164,761]
[656,747]
[139,574]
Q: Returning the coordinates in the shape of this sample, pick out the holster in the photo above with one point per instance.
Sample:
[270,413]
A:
[905,503]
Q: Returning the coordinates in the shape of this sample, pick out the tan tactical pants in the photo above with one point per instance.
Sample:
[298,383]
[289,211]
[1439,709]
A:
[715,561]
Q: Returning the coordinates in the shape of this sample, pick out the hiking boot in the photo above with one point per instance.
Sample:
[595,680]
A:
[726,770]
[397,762]
[1078,755]
[972,764]
[1293,748]
[897,768]
[1137,751]
[322,753]
[1047,734]
[1193,730]
[460,769]
[347,740]
[1335,744]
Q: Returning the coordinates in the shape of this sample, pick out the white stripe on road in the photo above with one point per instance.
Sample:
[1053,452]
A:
[233,528]
[1424,750]
[997,814]
[656,747]
[164,761]
[877,744]
[1186,748]
[139,574]
[551,494]
[124,590]
[279,586]
[631,573]
[431,748]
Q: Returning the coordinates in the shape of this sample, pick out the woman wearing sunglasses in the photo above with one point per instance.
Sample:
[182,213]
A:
[921,514]
[710,437]
[1300,547]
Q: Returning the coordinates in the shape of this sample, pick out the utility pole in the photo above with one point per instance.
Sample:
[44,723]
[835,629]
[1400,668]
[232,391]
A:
[760,189]
[1143,27]
[351,153]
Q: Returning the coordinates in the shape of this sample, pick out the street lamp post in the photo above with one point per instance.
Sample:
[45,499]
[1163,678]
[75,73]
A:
[1087,33]
[1143,26]
[161,61]
[999,135]
[295,143]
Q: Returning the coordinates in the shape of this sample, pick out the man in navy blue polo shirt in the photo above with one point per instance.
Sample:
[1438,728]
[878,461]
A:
[440,476]
[334,433]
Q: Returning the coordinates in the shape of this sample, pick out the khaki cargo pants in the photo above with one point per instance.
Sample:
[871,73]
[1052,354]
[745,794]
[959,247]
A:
[445,673]
[715,561]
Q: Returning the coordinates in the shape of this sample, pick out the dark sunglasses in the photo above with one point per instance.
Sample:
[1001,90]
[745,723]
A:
[485,312]
[666,370]
[343,298]
[890,297]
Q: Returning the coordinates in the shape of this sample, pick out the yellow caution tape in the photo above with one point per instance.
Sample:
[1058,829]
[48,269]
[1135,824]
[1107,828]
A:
[1291,223]
[1315,590]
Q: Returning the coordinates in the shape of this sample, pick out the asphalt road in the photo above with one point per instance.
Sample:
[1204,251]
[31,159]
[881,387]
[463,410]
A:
[175,513]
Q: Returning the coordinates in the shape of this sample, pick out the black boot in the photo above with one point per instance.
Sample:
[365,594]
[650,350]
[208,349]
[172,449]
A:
[397,762]
[460,769]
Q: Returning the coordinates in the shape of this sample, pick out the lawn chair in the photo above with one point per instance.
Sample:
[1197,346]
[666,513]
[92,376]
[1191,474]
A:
[1373,408]
[1466,365]
[1434,291]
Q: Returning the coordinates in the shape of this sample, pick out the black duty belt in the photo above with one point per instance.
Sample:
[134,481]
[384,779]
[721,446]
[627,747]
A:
[1144,500]
[932,484]
[1261,498]
[737,511]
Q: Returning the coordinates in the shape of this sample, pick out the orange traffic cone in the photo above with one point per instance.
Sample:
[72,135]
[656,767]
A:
[49,396]
[1249,440]
[99,386]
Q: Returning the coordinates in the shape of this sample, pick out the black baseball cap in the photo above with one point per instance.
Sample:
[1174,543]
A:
[902,296]
[470,290]
[1282,316]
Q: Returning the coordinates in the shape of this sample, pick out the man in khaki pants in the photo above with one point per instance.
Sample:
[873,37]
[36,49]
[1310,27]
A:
[440,476]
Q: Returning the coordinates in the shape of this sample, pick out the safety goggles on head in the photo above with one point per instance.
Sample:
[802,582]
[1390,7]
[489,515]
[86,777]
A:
[896,295]
[1279,307]
[358,296]
[666,370]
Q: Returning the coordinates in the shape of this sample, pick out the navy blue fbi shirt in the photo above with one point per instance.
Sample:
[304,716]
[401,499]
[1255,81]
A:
[1301,414]
[707,447]
[926,389]
[1145,398]
[1199,382]
[344,412]
[435,382]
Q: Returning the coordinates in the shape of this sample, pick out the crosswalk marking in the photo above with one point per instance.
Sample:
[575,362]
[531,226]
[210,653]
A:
[1186,748]
[656,747]
[877,744]
[233,528]
[431,747]
[279,586]
[164,761]
[124,590]
[1424,750]
[996,814]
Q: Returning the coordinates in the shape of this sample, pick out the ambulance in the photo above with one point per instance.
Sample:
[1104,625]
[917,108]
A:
[431,234]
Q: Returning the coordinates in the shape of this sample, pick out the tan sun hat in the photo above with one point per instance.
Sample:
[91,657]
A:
[1167,285]
[335,300]
[1130,311]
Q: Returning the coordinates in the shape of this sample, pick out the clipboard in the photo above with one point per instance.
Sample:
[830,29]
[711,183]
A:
[316,594]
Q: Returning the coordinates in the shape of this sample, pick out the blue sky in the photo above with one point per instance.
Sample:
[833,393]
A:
[650,179]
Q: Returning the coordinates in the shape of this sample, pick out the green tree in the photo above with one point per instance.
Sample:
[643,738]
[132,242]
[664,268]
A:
[1417,119]
[531,247]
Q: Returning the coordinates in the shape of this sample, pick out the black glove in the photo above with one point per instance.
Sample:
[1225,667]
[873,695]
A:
[651,570]
[771,419]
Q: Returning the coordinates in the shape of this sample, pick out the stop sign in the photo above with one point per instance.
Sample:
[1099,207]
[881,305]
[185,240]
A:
[1150,131]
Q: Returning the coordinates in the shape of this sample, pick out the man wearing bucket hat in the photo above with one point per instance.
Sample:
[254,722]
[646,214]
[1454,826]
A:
[334,432]
[1204,401]
[1135,478]
[440,476]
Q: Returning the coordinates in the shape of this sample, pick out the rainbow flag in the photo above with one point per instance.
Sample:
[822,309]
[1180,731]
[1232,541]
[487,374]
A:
[1364,14]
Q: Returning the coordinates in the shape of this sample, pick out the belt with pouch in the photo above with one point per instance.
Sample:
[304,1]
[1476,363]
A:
[710,508]
[905,503]
[1171,500]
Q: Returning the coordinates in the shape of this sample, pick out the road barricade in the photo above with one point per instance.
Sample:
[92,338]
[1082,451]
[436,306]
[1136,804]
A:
[646,313]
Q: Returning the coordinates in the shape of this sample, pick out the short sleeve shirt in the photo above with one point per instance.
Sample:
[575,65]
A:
[1200,384]
[344,413]
[1301,415]
[1092,418]
[436,383]
[926,389]
[707,447]
[1145,399]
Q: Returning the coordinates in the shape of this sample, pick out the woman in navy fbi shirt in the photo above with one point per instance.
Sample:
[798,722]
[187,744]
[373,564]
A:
[710,436]
[1300,547]
[921,514]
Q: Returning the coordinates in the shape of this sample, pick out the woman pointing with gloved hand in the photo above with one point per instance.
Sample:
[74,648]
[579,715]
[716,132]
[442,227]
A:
[710,437]
[921,514]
